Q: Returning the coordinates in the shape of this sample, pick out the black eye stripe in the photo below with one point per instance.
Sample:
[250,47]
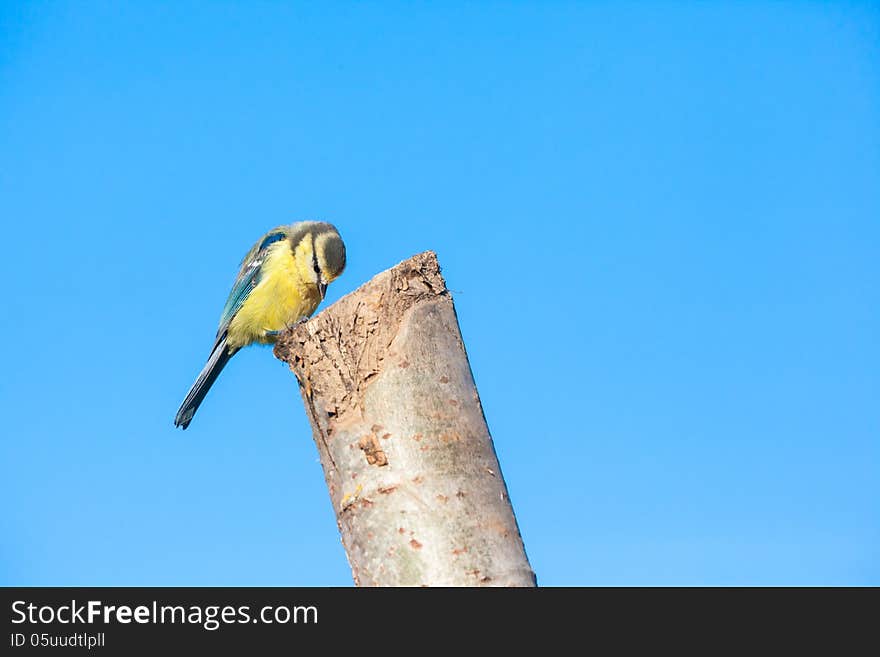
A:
[315,261]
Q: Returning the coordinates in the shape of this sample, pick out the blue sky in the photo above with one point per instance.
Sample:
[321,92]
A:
[661,225]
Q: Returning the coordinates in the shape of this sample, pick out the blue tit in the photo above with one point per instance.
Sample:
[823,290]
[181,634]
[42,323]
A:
[282,280]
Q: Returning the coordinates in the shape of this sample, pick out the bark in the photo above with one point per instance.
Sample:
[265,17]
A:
[407,456]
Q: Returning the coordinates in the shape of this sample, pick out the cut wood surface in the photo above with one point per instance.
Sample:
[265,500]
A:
[406,452]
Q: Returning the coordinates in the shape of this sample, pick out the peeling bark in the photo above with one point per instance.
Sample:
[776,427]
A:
[406,452]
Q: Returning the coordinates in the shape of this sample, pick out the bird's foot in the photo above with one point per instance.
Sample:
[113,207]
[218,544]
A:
[276,334]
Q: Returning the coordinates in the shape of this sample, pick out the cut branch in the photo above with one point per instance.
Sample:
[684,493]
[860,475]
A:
[407,456]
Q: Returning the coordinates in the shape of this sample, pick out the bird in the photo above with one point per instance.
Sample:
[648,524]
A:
[281,282]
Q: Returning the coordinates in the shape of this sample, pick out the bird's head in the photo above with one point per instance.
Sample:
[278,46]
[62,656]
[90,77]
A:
[320,253]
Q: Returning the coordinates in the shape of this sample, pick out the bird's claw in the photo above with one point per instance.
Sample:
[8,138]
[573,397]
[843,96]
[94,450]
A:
[274,334]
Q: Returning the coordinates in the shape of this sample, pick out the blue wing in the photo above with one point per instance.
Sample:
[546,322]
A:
[248,277]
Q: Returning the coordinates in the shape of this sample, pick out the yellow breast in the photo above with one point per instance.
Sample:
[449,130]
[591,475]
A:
[281,299]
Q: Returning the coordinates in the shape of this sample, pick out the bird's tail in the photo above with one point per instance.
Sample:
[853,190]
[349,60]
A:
[220,355]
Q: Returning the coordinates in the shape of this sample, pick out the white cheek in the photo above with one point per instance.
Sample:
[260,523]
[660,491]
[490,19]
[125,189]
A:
[323,267]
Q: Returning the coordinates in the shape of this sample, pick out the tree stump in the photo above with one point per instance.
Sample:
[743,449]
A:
[406,452]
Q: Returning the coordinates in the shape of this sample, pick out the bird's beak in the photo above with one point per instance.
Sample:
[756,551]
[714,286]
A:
[322,288]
